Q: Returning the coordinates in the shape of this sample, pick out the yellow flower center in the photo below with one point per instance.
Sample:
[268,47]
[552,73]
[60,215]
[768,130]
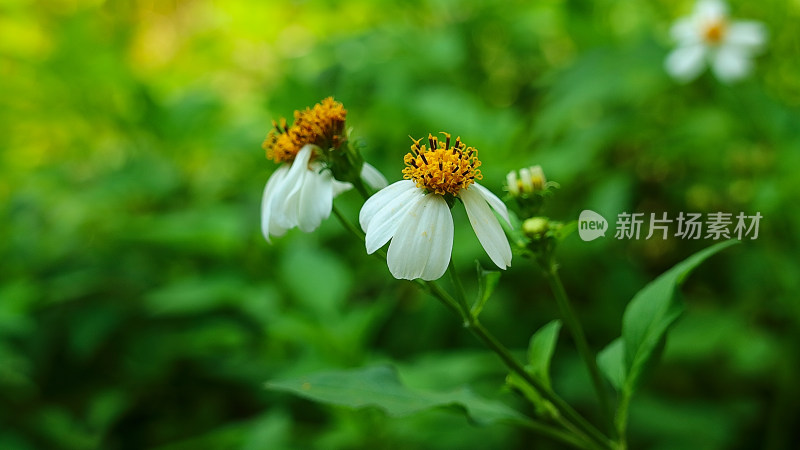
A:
[322,125]
[714,31]
[440,168]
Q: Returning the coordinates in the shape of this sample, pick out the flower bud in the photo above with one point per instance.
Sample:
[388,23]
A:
[531,180]
[536,227]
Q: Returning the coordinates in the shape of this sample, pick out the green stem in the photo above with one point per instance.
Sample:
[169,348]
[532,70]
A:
[359,185]
[582,425]
[436,291]
[350,227]
[554,433]
[567,417]
[471,322]
[621,419]
[575,328]
[460,297]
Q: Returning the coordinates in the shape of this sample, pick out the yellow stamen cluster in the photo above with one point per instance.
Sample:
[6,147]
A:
[440,168]
[322,125]
[714,32]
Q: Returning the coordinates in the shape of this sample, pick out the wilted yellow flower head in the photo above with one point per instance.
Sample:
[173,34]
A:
[440,168]
[322,125]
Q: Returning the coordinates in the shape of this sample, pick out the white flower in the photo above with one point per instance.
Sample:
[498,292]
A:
[300,194]
[415,216]
[709,37]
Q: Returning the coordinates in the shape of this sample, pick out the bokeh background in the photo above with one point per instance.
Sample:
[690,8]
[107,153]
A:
[141,308]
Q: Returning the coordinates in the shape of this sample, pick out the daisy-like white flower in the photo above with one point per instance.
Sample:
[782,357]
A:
[300,193]
[415,214]
[708,36]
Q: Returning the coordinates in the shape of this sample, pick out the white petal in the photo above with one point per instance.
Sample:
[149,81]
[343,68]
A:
[493,201]
[289,191]
[379,199]
[268,225]
[525,179]
[686,32]
[686,63]
[316,198]
[423,243]
[385,222]
[373,177]
[730,64]
[749,35]
[486,227]
[711,10]
[340,186]
[511,182]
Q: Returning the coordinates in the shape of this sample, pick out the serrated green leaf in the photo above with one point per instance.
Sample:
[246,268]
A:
[540,350]
[380,387]
[652,310]
[487,281]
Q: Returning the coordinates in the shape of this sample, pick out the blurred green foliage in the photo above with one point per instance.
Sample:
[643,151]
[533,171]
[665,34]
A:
[141,308]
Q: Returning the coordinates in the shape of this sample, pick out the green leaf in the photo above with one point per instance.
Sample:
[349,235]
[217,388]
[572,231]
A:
[380,387]
[540,350]
[647,318]
[651,312]
[487,281]
[566,230]
[611,361]
[540,353]
[645,323]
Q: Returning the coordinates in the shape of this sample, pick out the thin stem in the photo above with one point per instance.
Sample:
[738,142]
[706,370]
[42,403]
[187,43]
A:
[568,417]
[350,227]
[575,328]
[434,289]
[585,428]
[581,426]
[554,433]
[460,297]
[621,419]
[359,185]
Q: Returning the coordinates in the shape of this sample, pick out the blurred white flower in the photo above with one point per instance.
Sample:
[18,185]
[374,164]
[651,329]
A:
[708,36]
[414,213]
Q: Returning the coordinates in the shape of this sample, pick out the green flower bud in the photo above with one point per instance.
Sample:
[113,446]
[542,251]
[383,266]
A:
[536,227]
